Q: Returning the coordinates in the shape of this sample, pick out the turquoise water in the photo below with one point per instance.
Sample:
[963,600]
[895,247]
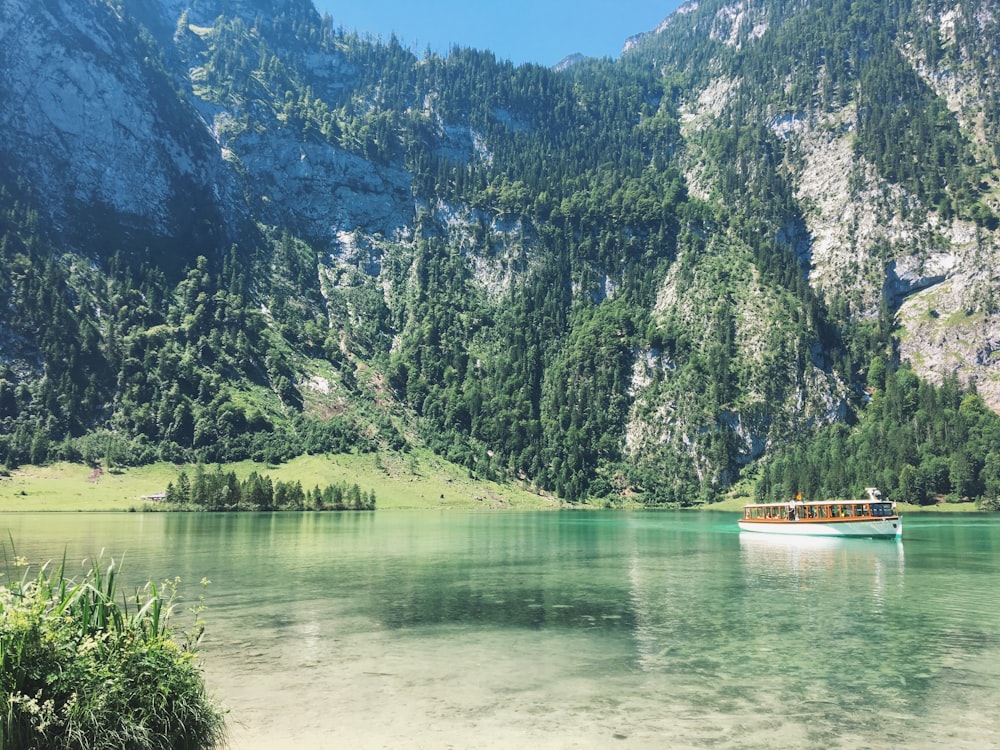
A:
[587,630]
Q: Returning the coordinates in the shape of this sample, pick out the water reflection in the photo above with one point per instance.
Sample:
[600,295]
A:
[518,574]
[586,630]
[770,557]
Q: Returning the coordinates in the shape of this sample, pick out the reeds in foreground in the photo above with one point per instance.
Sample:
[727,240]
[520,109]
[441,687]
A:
[82,668]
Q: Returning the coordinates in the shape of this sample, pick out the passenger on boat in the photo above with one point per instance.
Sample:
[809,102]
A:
[791,509]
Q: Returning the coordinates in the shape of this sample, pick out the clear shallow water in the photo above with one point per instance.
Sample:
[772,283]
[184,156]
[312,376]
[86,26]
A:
[573,630]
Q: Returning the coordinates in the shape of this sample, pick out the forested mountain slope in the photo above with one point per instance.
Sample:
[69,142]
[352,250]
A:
[230,229]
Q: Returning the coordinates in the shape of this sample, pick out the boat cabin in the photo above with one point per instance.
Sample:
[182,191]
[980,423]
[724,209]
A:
[822,510]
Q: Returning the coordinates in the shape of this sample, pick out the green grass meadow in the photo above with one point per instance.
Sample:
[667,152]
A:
[417,480]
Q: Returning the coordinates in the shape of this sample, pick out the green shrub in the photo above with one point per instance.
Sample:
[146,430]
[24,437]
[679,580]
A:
[80,669]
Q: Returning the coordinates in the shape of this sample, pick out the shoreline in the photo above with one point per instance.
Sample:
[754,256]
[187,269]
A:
[416,481]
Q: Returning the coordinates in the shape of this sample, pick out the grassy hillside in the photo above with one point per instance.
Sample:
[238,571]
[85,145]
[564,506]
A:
[410,481]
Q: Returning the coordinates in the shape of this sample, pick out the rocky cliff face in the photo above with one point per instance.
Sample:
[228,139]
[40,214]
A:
[309,186]
[871,241]
[97,133]
[105,128]
[933,272]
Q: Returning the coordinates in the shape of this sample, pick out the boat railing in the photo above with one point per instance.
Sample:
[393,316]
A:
[819,511]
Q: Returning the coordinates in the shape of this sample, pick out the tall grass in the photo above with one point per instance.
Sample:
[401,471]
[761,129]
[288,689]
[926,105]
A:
[82,667]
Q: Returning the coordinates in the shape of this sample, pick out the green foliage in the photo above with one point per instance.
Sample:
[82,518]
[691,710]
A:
[585,398]
[81,667]
[918,443]
[160,373]
[223,491]
[909,134]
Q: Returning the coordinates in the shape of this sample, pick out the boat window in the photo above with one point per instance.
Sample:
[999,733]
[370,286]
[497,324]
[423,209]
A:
[859,510]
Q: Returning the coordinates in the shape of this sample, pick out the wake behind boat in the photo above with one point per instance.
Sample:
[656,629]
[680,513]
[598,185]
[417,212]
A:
[873,517]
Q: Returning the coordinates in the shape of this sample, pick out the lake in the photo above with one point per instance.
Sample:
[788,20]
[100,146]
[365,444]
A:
[572,629]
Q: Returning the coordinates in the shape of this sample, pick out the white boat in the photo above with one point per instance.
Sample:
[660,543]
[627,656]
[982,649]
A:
[873,517]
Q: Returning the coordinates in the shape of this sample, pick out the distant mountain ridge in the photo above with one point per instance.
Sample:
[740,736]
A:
[233,230]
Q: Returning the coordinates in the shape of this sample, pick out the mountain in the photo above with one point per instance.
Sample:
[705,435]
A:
[231,229]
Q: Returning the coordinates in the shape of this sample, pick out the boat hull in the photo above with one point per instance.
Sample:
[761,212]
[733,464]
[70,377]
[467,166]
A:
[878,528]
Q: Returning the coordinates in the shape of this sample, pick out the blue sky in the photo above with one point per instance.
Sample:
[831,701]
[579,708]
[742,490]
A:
[539,31]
